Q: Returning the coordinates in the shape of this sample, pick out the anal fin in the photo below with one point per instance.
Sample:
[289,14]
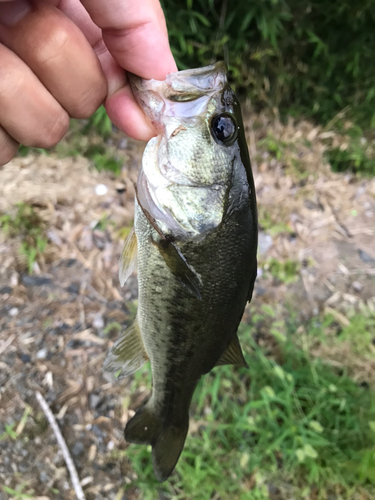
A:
[233,355]
[128,353]
[128,259]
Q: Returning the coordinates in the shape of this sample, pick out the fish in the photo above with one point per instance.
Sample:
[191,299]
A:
[194,245]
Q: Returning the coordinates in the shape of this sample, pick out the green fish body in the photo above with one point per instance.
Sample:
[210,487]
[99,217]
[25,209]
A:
[194,242]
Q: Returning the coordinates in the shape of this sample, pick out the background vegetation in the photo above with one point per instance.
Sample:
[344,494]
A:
[310,56]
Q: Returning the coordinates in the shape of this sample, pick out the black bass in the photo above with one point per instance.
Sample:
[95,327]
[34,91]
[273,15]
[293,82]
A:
[194,242]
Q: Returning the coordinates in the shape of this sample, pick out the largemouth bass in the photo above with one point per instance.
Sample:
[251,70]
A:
[195,242]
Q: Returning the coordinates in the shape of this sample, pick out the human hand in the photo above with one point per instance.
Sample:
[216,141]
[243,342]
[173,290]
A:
[58,59]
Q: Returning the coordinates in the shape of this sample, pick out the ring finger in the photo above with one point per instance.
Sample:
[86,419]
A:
[8,147]
[28,112]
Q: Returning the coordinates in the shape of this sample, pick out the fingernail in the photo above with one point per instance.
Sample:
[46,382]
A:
[12,12]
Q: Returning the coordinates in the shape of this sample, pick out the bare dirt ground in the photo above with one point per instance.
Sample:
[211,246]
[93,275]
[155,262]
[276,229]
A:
[57,323]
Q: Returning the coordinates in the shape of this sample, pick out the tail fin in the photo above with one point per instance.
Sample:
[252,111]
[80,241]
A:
[167,440]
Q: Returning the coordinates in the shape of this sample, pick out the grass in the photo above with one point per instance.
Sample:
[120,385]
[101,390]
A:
[27,225]
[285,272]
[293,427]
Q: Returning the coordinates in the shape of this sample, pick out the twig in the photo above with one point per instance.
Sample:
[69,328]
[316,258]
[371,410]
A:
[64,449]
[4,346]
[345,230]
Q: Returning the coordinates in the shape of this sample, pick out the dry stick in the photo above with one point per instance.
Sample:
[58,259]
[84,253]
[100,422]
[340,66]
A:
[60,441]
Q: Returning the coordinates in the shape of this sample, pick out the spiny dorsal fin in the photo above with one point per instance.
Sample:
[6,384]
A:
[128,352]
[233,355]
[179,267]
[128,259]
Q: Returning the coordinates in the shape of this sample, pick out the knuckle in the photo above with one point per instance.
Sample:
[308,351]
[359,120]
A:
[53,131]
[52,45]
[90,101]
[8,149]
[10,82]
[5,158]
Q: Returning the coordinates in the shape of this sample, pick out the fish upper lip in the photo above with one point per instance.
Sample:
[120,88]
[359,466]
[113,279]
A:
[183,94]
[186,85]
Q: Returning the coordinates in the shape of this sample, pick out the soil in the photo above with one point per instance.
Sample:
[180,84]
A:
[57,324]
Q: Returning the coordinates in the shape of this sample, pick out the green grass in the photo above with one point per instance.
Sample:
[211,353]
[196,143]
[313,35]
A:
[27,225]
[297,426]
[285,272]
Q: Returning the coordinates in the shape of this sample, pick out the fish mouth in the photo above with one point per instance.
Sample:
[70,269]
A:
[168,97]
[191,84]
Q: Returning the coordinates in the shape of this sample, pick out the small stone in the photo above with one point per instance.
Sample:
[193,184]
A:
[74,287]
[265,242]
[14,280]
[36,281]
[25,358]
[14,311]
[54,237]
[260,291]
[101,189]
[58,459]
[120,188]
[110,445]
[78,448]
[123,144]
[43,477]
[94,401]
[98,432]
[74,344]
[5,290]
[98,322]
[357,286]
[365,257]
[42,354]
[70,262]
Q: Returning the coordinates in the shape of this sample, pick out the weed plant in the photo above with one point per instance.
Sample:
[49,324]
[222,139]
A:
[295,427]
[305,56]
[27,225]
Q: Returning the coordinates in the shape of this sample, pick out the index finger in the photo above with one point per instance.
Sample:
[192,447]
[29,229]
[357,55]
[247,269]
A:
[135,33]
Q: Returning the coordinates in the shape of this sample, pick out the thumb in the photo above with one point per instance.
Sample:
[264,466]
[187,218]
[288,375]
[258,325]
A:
[135,34]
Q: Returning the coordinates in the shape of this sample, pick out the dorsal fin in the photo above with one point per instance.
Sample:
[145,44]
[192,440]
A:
[233,355]
[128,259]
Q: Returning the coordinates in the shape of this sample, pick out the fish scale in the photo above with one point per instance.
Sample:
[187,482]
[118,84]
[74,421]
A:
[195,249]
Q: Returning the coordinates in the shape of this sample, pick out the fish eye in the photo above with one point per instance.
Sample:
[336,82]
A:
[224,128]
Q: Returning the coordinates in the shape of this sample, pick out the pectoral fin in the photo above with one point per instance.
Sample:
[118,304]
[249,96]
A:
[128,353]
[128,259]
[179,267]
[233,355]
[170,252]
